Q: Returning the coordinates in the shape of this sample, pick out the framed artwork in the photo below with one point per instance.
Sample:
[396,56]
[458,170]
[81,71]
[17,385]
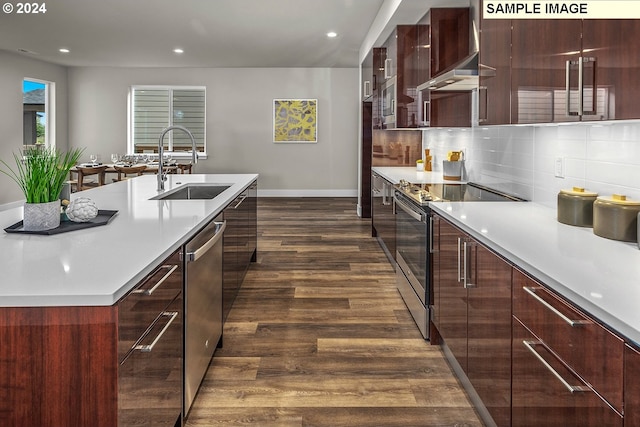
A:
[295,120]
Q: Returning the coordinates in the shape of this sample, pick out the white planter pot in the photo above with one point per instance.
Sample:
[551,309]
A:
[41,216]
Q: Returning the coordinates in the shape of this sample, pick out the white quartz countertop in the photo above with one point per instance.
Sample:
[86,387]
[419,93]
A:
[599,275]
[395,173]
[97,266]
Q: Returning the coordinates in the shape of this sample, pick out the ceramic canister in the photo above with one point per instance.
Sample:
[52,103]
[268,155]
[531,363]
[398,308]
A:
[575,207]
[616,217]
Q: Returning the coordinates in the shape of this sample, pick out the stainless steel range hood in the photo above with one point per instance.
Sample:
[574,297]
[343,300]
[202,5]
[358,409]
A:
[462,77]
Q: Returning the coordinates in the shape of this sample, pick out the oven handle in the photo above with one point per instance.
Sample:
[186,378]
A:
[413,214]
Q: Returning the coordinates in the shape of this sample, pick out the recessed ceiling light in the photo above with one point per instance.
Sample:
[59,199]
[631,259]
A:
[332,34]
[63,50]
[178,50]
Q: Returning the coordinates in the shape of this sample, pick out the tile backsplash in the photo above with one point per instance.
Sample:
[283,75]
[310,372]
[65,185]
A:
[524,160]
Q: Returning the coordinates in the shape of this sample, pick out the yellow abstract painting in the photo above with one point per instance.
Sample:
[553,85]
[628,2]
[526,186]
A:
[295,120]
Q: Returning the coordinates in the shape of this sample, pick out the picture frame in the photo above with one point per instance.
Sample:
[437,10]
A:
[295,120]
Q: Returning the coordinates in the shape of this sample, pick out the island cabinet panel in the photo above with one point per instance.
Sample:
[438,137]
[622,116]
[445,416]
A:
[240,243]
[82,366]
[150,344]
[58,366]
[494,92]
[592,353]
[631,386]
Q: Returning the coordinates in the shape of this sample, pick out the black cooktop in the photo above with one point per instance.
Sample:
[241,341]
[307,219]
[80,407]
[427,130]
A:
[471,192]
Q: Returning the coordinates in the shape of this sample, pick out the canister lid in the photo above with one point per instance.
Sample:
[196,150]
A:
[579,191]
[619,199]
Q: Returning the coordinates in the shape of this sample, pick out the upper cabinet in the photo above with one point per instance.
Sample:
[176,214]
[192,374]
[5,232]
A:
[609,50]
[573,70]
[367,77]
[442,45]
[494,72]
[398,90]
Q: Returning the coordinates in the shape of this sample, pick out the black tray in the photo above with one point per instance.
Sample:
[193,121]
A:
[102,218]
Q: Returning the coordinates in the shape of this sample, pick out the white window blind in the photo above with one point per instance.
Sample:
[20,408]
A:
[155,108]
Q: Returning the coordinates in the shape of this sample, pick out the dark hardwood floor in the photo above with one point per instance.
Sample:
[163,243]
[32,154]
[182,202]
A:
[319,336]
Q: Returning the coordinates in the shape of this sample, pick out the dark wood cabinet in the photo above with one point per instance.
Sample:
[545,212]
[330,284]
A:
[631,386]
[450,109]
[379,55]
[611,47]
[567,369]
[450,295]
[383,219]
[398,90]
[442,41]
[494,72]
[472,313]
[539,51]
[87,368]
[366,77]
[489,330]
[546,69]
[240,242]
[547,391]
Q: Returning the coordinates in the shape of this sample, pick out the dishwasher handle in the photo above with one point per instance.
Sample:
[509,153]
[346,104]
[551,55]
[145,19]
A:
[195,255]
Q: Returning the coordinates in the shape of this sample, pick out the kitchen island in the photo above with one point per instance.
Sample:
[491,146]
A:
[97,266]
[91,321]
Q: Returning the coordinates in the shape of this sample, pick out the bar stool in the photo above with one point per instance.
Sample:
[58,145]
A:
[85,171]
[124,172]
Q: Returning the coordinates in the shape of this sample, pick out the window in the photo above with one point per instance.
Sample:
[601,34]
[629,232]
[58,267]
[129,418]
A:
[37,96]
[153,108]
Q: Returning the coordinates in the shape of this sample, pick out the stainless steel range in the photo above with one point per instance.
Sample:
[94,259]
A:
[414,240]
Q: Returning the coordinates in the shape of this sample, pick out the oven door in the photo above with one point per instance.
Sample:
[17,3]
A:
[412,244]
[412,257]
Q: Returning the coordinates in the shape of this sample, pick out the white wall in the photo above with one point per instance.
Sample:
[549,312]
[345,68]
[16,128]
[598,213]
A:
[239,121]
[13,69]
[600,156]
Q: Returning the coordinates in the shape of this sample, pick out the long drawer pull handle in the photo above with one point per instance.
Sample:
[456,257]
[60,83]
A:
[571,388]
[572,323]
[149,347]
[241,199]
[171,268]
[459,277]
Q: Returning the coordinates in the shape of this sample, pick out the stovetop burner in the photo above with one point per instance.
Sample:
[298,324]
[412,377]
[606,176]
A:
[423,194]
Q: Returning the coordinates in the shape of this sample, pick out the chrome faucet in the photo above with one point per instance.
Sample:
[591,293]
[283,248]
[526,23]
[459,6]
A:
[162,175]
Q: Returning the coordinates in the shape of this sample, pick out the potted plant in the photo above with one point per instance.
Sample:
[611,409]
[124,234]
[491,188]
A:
[41,174]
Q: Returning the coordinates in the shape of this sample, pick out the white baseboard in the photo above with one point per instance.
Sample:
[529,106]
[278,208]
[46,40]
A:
[307,193]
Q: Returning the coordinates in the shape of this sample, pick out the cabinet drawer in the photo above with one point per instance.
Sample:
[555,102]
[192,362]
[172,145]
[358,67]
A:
[594,353]
[138,309]
[547,393]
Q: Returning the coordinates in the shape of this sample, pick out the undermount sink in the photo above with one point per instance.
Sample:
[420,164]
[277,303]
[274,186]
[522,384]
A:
[193,192]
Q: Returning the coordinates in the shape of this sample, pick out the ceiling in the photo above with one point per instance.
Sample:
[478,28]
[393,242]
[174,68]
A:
[213,33]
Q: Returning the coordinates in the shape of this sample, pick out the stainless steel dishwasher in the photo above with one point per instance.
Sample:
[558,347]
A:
[203,304]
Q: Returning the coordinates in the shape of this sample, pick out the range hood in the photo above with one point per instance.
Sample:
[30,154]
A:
[461,77]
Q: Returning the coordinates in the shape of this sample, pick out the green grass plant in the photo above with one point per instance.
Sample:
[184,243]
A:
[41,172]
